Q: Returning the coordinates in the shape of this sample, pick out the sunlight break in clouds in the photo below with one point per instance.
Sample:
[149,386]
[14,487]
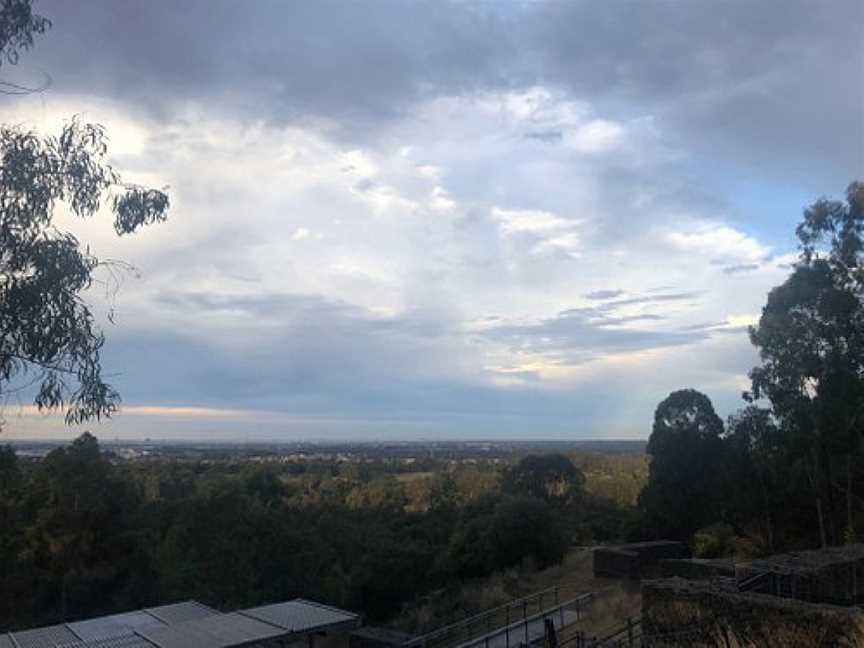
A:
[515,217]
[371,244]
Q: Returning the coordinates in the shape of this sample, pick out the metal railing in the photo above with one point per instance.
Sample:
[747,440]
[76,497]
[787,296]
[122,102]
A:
[496,621]
[534,629]
[627,635]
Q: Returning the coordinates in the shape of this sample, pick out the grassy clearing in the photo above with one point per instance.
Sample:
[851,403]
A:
[406,478]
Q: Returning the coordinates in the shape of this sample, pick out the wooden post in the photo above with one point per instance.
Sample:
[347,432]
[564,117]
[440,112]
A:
[629,632]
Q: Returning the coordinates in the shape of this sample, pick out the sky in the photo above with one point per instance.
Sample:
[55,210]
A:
[421,220]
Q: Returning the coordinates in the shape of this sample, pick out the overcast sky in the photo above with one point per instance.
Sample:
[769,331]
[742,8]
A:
[427,220]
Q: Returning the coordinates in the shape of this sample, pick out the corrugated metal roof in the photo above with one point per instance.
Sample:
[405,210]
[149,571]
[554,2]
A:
[180,636]
[114,625]
[47,637]
[219,630]
[236,628]
[185,625]
[120,641]
[181,612]
[301,616]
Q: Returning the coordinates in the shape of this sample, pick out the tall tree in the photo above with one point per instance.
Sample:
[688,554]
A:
[683,489]
[49,341]
[811,343]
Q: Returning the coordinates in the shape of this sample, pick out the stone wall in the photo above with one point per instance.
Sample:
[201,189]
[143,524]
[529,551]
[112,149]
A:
[676,612]
[829,575]
[637,559]
[697,568]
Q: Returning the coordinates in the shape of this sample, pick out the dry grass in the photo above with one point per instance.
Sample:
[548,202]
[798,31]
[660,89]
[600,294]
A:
[614,600]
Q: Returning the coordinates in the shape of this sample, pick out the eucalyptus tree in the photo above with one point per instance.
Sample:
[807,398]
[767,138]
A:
[49,341]
[810,339]
[685,478]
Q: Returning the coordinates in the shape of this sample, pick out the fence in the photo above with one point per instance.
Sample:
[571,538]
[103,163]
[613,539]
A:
[519,622]
[628,635]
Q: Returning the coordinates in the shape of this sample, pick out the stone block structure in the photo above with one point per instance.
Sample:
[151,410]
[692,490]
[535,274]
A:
[678,612]
[636,560]
[697,568]
[831,575]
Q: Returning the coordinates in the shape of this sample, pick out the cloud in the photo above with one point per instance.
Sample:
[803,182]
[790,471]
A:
[598,136]
[719,240]
[415,211]
[741,268]
[604,294]
[579,335]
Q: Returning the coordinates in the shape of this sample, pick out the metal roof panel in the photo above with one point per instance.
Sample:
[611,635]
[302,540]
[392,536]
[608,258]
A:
[128,640]
[113,625]
[47,637]
[181,612]
[181,636]
[300,615]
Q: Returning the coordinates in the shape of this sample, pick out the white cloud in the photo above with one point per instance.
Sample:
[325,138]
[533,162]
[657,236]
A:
[430,171]
[518,221]
[721,241]
[424,250]
[597,136]
[300,233]
[441,201]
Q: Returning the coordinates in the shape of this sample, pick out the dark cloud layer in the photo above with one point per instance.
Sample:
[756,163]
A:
[778,81]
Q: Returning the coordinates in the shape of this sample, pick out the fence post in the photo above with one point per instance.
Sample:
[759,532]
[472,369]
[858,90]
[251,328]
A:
[525,623]
[551,637]
[630,632]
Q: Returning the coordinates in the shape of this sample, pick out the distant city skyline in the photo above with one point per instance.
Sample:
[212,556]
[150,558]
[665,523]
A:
[435,220]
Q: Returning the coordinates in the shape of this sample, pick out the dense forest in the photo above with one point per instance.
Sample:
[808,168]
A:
[86,533]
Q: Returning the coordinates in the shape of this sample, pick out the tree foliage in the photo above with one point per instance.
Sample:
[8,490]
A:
[50,345]
[49,334]
[549,477]
[18,25]
[685,449]
[785,475]
[84,533]
[811,343]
